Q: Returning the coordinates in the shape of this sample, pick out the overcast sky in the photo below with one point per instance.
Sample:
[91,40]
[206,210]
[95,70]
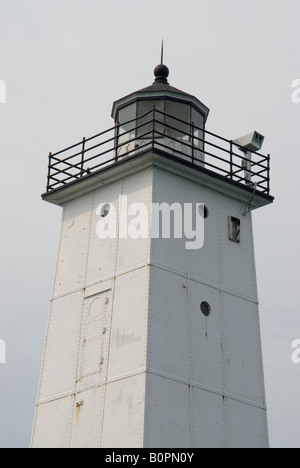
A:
[64,63]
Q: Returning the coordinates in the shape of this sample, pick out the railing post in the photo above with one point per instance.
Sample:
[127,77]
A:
[268,174]
[193,142]
[231,159]
[49,172]
[82,157]
[153,127]
[117,132]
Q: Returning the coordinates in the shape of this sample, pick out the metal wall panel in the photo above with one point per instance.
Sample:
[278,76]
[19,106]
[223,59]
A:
[208,419]
[61,350]
[134,252]
[73,249]
[170,189]
[204,263]
[123,424]
[110,256]
[127,352]
[247,426]
[167,418]
[244,373]
[237,259]
[102,252]
[88,418]
[206,337]
[53,424]
[168,334]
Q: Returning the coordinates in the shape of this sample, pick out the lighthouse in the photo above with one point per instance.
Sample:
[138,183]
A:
[153,337]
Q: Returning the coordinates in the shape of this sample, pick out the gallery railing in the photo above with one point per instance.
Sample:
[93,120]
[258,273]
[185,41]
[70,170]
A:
[170,136]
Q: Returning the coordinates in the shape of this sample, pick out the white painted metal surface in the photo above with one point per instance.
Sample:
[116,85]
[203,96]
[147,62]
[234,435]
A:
[130,360]
[217,358]
[93,374]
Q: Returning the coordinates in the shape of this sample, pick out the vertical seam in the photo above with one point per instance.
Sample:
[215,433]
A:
[152,193]
[80,328]
[222,320]
[106,324]
[190,328]
[147,303]
[115,261]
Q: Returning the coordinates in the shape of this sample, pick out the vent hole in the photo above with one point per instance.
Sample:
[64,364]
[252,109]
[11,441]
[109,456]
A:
[205,309]
[105,210]
[204,211]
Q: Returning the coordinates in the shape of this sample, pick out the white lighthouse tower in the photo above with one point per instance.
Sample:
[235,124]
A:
[150,343]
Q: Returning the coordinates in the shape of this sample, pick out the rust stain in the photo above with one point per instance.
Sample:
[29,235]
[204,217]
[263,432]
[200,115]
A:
[77,413]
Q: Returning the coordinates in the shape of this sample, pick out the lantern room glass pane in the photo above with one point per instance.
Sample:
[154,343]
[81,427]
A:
[127,121]
[145,117]
[178,120]
[198,122]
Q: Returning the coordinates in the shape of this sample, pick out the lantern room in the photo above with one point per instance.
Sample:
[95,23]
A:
[160,112]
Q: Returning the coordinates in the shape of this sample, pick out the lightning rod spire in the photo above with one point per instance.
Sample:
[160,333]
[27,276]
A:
[161,72]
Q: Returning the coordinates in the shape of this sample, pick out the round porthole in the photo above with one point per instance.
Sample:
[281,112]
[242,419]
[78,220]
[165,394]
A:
[105,210]
[204,212]
[205,309]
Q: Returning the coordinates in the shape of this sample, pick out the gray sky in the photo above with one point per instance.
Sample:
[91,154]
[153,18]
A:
[64,63]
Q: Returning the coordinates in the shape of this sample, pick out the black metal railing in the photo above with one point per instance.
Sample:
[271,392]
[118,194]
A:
[158,131]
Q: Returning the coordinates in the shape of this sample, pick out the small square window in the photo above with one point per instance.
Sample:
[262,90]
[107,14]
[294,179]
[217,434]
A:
[234,229]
